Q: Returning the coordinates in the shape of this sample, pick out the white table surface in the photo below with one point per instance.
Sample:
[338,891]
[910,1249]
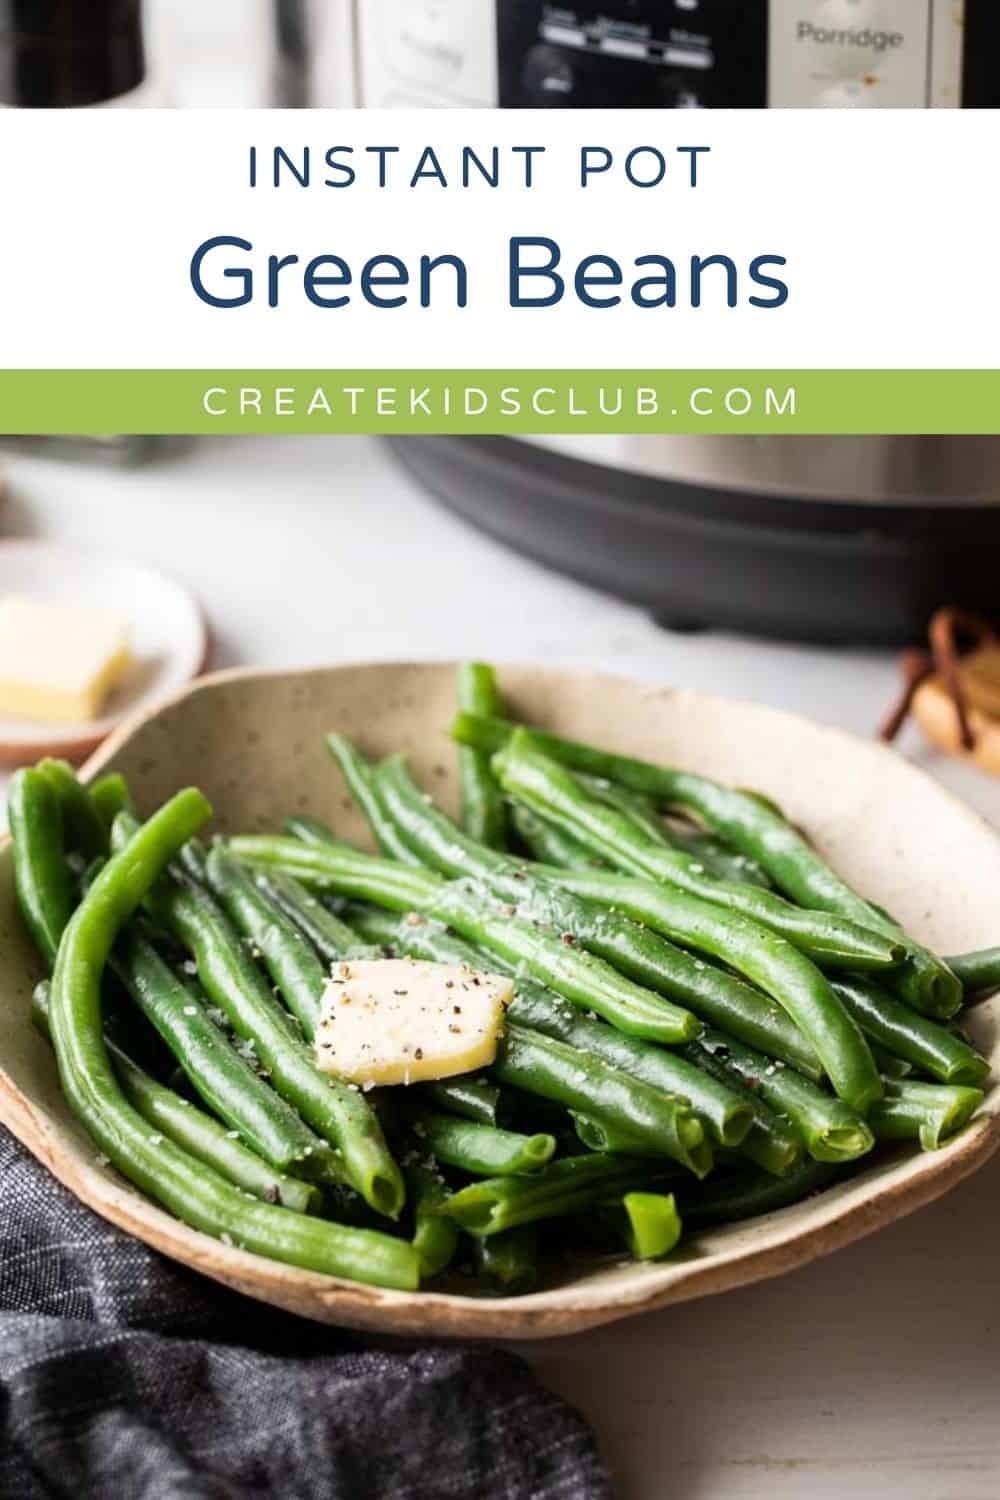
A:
[872,1374]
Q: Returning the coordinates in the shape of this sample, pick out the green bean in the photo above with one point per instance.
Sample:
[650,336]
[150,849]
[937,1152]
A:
[725,1110]
[582,978]
[723,863]
[288,955]
[231,980]
[41,878]
[195,1193]
[757,829]
[770,1143]
[570,1185]
[746,1195]
[831,1131]
[509,1260]
[549,844]
[978,973]
[435,1238]
[762,956]
[484,815]
[902,1031]
[83,830]
[482,1150]
[357,773]
[653,1225]
[187,1126]
[109,796]
[655,1123]
[374,925]
[220,1075]
[888,1065]
[469,1098]
[928,1112]
[607,1137]
[330,937]
[541,782]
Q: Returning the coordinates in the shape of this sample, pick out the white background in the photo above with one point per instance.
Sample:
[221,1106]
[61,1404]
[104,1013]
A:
[888,222]
[872,1374]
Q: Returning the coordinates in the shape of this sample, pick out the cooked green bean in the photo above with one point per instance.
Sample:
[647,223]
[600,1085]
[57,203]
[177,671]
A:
[745,1195]
[484,815]
[548,844]
[568,1186]
[219,1074]
[197,1194]
[978,973]
[928,1112]
[584,979]
[41,878]
[655,1123]
[469,1098]
[762,956]
[831,1131]
[545,785]
[109,796]
[509,1260]
[435,1238]
[341,1115]
[725,1110]
[482,1150]
[83,830]
[653,1225]
[756,828]
[609,934]
[288,955]
[187,1126]
[723,863]
[330,937]
[770,1143]
[357,774]
[907,1034]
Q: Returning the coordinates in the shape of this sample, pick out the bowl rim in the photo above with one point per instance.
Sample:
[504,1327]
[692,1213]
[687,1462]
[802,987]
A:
[842,1214]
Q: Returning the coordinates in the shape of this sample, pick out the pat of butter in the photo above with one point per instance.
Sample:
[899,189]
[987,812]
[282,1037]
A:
[399,1020]
[58,661]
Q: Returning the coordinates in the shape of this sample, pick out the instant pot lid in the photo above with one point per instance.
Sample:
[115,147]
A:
[735,533]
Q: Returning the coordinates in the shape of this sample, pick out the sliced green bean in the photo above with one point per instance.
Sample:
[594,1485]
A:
[568,1186]
[831,1131]
[756,828]
[928,1112]
[584,979]
[907,1034]
[482,1150]
[653,1224]
[197,1194]
[220,1075]
[288,955]
[484,815]
[340,1114]
[187,1126]
[509,1261]
[435,1238]
[330,937]
[41,878]
[656,1124]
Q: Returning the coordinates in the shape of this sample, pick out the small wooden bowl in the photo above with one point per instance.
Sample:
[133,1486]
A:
[254,742]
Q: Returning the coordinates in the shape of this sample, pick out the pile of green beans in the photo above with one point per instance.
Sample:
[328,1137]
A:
[706,1023]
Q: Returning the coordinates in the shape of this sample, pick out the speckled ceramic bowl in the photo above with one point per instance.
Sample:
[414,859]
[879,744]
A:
[254,742]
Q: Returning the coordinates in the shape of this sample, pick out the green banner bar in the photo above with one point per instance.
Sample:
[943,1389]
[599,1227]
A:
[500,401]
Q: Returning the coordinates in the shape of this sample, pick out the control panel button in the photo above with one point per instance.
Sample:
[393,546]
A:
[549,78]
